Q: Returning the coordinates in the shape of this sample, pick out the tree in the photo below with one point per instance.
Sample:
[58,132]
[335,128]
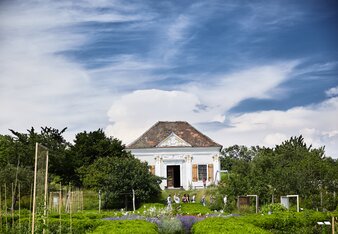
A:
[116,177]
[292,167]
[90,146]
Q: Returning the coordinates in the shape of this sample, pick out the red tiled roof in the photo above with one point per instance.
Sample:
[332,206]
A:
[161,130]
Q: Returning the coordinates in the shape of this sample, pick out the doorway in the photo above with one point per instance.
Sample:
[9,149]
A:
[173,176]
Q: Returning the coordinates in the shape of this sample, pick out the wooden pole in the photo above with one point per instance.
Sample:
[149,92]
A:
[60,207]
[34,188]
[332,225]
[0,210]
[133,199]
[46,194]
[99,201]
[30,205]
[70,208]
[6,207]
[12,207]
[19,205]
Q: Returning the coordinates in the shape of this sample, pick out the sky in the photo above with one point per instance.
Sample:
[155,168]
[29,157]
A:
[242,72]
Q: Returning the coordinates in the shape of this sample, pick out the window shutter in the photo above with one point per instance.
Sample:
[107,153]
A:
[210,172]
[152,169]
[194,172]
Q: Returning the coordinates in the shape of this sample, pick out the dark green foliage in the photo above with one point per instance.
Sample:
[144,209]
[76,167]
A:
[289,168]
[116,177]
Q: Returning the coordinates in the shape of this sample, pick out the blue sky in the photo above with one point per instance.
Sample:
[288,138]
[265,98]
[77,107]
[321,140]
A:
[243,72]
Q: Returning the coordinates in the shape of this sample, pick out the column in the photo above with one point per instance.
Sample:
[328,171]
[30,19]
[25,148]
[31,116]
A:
[217,168]
[188,160]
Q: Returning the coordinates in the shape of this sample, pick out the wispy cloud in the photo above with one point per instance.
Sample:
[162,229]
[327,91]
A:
[264,16]
[40,86]
[215,99]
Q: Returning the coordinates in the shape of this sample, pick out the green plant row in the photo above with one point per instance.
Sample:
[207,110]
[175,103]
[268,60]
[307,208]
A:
[226,226]
[294,222]
[126,226]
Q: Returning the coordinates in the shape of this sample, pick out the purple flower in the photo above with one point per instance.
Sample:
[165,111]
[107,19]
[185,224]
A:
[188,220]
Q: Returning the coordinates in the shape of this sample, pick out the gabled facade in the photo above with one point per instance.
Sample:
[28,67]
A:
[179,153]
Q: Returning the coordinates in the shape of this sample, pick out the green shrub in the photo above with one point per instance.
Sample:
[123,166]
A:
[90,200]
[194,209]
[272,208]
[126,226]
[226,226]
[288,222]
[170,225]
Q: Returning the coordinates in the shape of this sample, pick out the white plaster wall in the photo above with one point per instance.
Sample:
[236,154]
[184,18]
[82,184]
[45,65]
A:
[177,156]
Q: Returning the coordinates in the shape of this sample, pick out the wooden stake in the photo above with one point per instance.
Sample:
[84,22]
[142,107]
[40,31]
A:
[19,205]
[60,206]
[6,207]
[45,196]
[332,225]
[133,199]
[0,210]
[34,189]
[30,205]
[12,208]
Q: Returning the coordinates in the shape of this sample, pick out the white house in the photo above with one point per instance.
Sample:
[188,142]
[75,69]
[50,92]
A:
[179,153]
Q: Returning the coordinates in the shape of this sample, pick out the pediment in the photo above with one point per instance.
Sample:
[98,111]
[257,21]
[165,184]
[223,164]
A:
[173,141]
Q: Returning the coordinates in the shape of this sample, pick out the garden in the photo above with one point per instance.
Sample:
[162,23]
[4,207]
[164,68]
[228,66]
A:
[96,186]
[158,218]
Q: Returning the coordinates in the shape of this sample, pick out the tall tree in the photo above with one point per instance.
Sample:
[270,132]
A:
[117,177]
[90,146]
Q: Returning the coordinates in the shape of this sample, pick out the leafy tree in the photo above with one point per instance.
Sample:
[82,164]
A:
[116,177]
[90,146]
[290,168]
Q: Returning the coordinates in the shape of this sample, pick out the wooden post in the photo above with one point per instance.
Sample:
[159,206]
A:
[12,207]
[34,188]
[60,207]
[99,201]
[45,196]
[0,210]
[30,205]
[70,208]
[19,205]
[332,225]
[6,208]
[134,200]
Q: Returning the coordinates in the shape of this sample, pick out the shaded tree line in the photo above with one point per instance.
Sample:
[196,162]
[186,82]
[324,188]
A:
[93,161]
[289,168]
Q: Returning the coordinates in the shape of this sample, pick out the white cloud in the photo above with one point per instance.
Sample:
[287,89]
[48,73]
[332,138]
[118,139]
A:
[226,91]
[317,123]
[332,92]
[39,85]
[133,112]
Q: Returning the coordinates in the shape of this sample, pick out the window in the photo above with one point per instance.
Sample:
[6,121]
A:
[202,172]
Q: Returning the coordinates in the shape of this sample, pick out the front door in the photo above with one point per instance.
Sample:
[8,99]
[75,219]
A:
[173,176]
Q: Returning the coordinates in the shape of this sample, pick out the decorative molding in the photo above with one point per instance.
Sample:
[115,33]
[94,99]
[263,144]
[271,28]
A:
[173,140]
[215,158]
[188,158]
[158,159]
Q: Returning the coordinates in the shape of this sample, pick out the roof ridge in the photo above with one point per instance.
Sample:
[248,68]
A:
[162,129]
[204,135]
[143,134]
